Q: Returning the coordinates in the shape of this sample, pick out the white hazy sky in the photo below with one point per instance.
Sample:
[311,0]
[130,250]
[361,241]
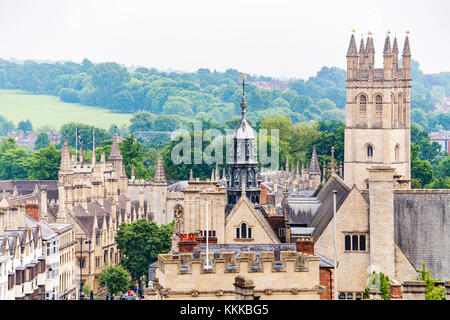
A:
[274,38]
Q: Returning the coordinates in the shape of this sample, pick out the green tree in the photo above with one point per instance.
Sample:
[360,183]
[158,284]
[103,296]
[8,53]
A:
[68,95]
[5,126]
[86,133]
[115,278]
[140,242]
[25,126]
[420,169]
[14,164]
[381,282]
[432,292]
[42,141]
[44,164]
[87,288]
[133,154]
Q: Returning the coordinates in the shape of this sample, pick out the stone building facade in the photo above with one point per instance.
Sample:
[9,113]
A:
[377,111]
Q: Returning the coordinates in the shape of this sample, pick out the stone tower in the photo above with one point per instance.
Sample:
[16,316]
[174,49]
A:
[377,111]
[159,194]
[243,164]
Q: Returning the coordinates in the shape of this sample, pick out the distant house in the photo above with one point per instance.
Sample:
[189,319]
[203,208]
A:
[441,137]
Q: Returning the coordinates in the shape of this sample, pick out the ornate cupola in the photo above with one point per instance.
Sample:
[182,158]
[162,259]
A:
[243,163]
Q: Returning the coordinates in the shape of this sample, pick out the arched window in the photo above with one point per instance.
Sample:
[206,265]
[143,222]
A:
[347,243]
[369,152]
[379,108]
[397,152]
[400,110]
[366,184]
[362,108]
[354,242]
[349,296]
[362,243]
[243,230]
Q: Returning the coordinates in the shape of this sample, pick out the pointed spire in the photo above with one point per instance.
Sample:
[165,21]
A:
[223,174]
[406,48]
[115,150]
[324,173]
[36,189]
[332,163]
[66,163]
[286,167]
[212,174]
[370,46]
[314,166]
[395,46]
[352,51]
[387,47]
[102,158]
[160,176]
[15,192]
[362,50]
[191,175]
[217,177]
[297,172]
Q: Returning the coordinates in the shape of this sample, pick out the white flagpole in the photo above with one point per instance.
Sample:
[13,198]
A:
[335,254]
[207,237]
[76,143]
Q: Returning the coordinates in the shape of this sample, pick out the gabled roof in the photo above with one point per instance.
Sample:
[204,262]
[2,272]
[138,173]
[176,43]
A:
[324,213]
[244,201]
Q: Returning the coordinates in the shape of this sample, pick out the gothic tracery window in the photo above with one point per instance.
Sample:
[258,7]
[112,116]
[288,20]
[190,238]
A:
[362,108]
[379,108]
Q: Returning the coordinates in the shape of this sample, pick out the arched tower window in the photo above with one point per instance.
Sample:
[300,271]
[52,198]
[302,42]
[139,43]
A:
[379,108]
[400,110]
[369,152]
[397,153]
[362,108]
[366,184]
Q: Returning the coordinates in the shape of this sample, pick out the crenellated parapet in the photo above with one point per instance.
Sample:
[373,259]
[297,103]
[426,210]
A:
[226,262]
[281,275]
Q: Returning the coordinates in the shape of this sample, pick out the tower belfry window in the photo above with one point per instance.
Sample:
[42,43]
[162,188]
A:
[362,108]
[379,108]
[369,152]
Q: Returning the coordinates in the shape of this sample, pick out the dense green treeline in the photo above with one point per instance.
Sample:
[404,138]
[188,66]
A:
[211,95]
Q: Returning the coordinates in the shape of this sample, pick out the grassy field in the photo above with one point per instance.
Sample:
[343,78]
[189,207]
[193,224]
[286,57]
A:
[49,111]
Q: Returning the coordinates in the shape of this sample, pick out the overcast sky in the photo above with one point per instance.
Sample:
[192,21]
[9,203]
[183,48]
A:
[274,38]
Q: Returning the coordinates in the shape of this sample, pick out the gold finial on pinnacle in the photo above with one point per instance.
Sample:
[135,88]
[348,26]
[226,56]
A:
[243,104]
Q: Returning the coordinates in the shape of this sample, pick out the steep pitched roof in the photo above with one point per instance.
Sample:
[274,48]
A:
[324,214]
[244,201]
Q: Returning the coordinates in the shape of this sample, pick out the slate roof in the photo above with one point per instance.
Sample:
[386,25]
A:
[324,213]
[302,210]
[178,186]
[28,186]
[422,229]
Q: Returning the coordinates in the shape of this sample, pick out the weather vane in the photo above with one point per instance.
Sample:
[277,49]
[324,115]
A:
[244,76]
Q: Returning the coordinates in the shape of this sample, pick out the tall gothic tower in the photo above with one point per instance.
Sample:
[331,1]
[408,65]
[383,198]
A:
[243,164]
[377,111]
